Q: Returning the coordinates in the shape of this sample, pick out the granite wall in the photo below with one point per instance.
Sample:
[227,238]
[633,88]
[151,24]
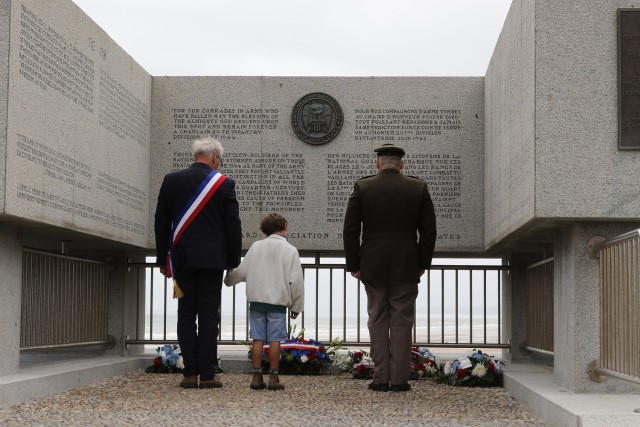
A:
[439,121]
[78,124]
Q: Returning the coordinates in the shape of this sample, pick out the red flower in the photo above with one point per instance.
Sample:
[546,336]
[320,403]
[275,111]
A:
[492,367]
[156,361]
[419,366]
[461,373]
[357,356]
[360,369]
[430,362]
[311,356]
[415,349]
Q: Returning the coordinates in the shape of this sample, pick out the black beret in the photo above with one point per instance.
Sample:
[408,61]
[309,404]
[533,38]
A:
[389,150]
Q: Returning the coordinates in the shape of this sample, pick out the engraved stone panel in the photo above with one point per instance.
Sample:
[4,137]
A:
[78,125]
[439,121]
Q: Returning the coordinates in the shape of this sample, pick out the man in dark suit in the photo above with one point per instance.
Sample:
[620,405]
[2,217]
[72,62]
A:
[210,244]
[393,216]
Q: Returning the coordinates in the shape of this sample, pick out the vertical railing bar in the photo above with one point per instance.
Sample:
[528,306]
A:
[151,292]
[499,307]
[233,315]
[605,337]
[428,306]
[317,258]
[415,317]
[470,305]
[138,300]
[358,315]
[636,292]
[457,281]
[609,334]
[165,305]
[442,307]
[617,318]
[484,298]
[344,305]
[602,274]
[331,304]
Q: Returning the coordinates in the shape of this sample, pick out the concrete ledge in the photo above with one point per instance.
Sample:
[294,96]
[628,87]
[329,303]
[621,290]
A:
[532,385]
[51,378]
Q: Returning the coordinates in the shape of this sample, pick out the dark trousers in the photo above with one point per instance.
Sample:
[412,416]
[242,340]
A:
[391,307]
[199,345]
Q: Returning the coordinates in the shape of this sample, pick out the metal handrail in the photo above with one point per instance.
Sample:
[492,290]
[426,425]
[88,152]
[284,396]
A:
[313,269]
[539,319]
[619,260]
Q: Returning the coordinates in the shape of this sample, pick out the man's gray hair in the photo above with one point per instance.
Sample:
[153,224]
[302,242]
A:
[386,161]
[207,145]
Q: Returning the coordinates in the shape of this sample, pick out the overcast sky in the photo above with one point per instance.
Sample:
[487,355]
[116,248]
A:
[304,38]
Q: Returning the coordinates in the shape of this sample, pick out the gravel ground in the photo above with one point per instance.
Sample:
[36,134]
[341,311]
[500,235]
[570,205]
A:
[156,399]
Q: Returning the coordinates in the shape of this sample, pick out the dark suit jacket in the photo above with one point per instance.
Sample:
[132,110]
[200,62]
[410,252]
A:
[214,239]
[394,215]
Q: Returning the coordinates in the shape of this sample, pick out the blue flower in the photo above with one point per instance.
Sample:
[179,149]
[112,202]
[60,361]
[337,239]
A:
[478,356]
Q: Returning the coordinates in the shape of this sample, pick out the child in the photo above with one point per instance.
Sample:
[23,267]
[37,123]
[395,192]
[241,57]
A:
[271,268]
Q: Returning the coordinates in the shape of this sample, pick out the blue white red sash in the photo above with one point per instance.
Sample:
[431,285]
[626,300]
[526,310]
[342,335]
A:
[191,210]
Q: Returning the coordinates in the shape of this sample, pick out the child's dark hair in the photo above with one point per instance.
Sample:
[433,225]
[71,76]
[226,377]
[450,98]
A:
[273,223]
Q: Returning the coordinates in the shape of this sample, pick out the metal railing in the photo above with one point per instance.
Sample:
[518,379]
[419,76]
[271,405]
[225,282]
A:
[619,309]
[539,328]
[459,306]
[64,301]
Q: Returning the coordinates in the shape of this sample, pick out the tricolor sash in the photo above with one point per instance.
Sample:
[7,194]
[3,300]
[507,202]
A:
[191,210]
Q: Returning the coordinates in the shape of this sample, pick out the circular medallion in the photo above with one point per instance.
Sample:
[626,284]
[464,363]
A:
[317,118]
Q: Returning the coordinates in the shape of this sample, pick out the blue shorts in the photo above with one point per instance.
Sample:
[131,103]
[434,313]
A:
[267,326]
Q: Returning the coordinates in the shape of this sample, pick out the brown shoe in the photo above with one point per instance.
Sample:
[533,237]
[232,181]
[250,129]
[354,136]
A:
[274,382]
[190,381]
[400,387]
[257,383]
[212,383]
[378,386]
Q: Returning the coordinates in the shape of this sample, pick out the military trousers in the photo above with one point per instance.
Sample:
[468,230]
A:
[391,309]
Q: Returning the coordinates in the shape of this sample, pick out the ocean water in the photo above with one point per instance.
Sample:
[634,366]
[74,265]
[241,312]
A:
[349,328]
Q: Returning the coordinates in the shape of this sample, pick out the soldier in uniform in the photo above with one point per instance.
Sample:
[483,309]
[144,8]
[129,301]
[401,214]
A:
[389,237]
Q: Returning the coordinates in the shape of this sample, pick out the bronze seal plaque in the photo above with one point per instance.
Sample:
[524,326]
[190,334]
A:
[317,118]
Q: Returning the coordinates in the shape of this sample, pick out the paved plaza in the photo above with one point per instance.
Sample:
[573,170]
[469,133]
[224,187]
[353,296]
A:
[330,400]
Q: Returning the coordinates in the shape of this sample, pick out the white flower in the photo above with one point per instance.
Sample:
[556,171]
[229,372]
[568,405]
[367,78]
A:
[465,363]
[180,363]
[447,367]
[304,358]
[479,371]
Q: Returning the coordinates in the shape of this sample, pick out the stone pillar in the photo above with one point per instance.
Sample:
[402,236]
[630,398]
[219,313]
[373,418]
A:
[577,308]
[11,290]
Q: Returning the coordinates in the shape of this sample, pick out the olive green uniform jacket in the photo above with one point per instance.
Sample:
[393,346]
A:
[390,227]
